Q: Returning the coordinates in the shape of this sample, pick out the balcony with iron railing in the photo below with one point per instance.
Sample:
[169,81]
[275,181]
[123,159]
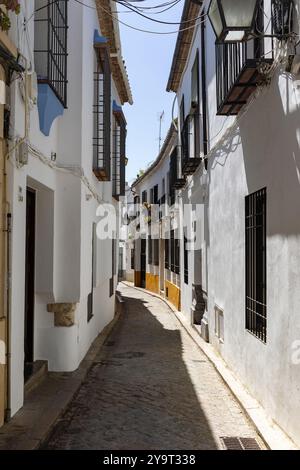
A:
[239,69]
[162,207]
[190,144]
[177,179]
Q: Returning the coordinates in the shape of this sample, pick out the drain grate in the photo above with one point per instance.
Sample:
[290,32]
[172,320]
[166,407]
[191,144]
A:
[240,443]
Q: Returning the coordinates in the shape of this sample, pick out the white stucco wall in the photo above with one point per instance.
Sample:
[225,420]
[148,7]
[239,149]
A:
[264,151]
[65,213]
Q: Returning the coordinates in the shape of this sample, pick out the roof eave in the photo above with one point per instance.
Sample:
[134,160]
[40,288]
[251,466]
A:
[110,28]
[184,39]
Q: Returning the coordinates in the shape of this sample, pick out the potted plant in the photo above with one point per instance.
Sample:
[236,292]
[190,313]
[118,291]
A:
[5,7]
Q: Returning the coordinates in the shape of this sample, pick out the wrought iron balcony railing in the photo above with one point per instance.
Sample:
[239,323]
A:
[190,144]
[177,179]
[238,72]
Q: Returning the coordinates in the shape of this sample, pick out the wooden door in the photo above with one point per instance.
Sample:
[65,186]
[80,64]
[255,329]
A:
[29,277]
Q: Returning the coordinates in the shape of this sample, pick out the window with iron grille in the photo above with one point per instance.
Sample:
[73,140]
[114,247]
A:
[151,195]
[137,206]
[155,194]
[111,287]
[149,249]
[177,255]
[182,113]
[94,267]
[156,252]
[114,253]
[102,115]
[167,254]
[282,17]
[172,251]
[113,266]
[195,83]
[186,262]
[144,196]
[195,104]
[162,209]
[118,155]
[50,45]
[256,278]
[173,175]
[190,138]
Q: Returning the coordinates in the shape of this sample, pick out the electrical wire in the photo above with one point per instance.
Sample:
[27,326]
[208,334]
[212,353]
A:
[149,31]
[160,21]
[74,170]
[153,12]
[153,7]
[85,5]
[122,22]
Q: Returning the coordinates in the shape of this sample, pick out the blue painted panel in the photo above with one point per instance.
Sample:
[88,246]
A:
[99,39]
[116,107]
[49,107]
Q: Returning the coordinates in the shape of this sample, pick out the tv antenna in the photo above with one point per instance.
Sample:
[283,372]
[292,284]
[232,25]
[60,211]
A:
[161,118]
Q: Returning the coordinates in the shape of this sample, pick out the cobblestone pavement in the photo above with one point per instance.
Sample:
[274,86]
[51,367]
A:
[150,387]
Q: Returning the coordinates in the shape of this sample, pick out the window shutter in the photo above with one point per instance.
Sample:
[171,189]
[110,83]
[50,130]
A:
[156,252]
[149,249]
[102,116]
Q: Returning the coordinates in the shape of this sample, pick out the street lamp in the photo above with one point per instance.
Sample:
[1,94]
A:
[232,20]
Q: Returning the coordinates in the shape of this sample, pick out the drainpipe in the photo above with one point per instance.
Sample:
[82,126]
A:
[8,318]
[204,93]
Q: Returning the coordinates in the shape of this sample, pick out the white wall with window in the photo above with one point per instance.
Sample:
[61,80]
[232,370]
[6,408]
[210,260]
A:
[72,267]
[250,185]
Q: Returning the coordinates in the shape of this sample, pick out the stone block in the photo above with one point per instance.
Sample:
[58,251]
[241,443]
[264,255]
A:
[64,313]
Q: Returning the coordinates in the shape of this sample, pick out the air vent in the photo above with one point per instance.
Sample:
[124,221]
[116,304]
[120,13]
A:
[240,443]
[282,17]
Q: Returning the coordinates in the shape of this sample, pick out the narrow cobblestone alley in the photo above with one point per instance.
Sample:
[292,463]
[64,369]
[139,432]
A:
[150,387]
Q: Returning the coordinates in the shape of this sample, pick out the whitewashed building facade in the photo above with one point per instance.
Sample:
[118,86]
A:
[239,131]
[153,232]
[66,163]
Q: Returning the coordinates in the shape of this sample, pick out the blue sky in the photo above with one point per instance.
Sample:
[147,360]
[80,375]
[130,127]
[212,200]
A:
[148,60]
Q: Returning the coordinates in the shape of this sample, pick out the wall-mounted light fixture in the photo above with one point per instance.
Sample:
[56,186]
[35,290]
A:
[234,20]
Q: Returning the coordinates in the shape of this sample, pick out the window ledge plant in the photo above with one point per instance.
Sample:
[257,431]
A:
[5,7]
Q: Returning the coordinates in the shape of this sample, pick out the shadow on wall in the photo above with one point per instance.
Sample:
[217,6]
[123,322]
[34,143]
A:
[270,136]
[269,139]
[138,394]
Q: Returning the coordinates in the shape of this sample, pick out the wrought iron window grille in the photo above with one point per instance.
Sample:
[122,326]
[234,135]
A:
[51,46]
[190,143]
[102,115]
[256,270]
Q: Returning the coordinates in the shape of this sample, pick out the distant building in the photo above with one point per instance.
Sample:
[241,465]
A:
[156,253]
